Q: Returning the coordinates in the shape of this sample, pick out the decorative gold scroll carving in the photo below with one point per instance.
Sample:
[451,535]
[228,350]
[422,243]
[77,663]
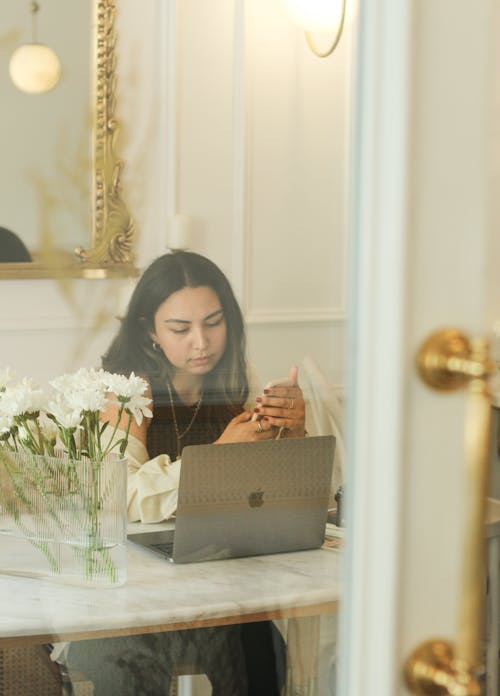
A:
[113,228]
[111,249]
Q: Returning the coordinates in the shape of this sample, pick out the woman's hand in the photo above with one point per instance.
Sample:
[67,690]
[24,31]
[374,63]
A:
[284,407]
[243,429]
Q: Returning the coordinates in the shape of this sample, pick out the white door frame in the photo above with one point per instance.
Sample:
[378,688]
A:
[421,218]
[378,219]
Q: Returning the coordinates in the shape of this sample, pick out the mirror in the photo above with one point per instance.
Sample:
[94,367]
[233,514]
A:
[61,191]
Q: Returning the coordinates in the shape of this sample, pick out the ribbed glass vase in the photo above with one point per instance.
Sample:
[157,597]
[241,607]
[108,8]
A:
[63,519]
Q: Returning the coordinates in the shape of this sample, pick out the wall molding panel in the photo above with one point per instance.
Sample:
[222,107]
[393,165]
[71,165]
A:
[296,316]
[239,163]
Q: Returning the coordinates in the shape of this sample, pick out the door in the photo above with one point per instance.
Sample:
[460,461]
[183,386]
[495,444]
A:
[424,216]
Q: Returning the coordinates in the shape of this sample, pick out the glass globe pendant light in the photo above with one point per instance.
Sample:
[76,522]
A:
[34,67]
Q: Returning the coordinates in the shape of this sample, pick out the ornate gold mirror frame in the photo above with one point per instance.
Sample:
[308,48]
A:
[110,252]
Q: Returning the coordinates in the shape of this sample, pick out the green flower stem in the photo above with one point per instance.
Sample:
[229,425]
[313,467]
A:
[112,443]
[41,440]
[96,556]
[13,447]
[31,442]
[123,445]
[68,442]
[21,485]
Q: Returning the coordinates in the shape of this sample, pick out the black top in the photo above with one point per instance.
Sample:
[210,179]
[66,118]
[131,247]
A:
[208,425]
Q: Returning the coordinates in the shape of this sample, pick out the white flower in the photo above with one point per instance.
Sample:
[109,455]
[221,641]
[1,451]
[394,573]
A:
[75,403]
[129,392]
[65,415]
[86,400]
[126,386]
[138,407]
[63,383]
[84,390]
[85,379]
[24,397]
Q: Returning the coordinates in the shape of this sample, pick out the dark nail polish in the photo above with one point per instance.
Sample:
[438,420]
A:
[258,400]
[256,410]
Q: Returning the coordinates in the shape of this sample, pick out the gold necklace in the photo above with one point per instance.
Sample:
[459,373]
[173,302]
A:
[179,435]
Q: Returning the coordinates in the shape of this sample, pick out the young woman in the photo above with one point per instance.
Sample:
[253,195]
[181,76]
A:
[184,332]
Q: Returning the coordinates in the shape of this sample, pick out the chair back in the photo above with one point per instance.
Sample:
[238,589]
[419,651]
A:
[324,413]
[29,671]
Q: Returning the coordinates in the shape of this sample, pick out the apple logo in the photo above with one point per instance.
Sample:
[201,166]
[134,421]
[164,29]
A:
[256,498]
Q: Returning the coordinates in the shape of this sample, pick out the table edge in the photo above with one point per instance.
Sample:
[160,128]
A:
[329,607]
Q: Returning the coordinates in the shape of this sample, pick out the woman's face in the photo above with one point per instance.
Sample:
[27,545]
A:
[190,328]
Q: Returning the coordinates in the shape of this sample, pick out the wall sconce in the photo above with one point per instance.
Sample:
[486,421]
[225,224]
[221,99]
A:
[318,15]
[34,67]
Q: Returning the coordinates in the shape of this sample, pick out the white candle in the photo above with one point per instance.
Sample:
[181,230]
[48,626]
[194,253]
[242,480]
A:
[179,236]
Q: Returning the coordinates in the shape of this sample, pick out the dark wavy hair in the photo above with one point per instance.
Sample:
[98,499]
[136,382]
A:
[132,348]
[12,249]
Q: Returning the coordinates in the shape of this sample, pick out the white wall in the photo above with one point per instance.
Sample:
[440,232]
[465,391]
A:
[49,327]
[228,118]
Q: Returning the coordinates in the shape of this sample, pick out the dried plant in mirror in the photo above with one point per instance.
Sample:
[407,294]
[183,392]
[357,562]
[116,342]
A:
[109,252]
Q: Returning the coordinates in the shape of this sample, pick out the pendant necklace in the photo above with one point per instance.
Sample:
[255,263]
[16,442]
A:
[179,435]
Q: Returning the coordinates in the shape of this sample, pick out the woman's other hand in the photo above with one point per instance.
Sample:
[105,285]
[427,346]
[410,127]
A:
[243,429]
[283,407]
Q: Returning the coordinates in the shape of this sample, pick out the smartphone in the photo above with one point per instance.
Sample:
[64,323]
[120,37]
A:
[283,382]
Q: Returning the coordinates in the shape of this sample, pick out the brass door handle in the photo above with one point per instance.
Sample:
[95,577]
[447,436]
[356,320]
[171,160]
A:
[446,361]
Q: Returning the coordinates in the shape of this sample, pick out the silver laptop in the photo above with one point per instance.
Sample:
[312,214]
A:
[247,499]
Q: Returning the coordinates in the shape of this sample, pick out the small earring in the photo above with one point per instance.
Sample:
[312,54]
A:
[156,346]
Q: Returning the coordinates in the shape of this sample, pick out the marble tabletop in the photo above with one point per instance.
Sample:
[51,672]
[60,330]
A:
[160,595]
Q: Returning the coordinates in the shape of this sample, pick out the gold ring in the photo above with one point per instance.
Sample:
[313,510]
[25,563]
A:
[260,429]
[292,405]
